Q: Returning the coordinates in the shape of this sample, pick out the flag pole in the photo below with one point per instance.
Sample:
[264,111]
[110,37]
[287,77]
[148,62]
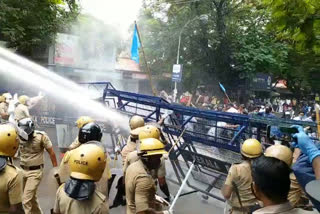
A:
[224,91]
[227,97]
[145,61]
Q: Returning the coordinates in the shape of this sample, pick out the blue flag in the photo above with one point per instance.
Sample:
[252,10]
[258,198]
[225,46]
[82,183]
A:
[135,46]
[222,88]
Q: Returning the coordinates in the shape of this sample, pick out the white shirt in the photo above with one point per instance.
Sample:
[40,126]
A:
[232,110]
[212,130]
[284,208]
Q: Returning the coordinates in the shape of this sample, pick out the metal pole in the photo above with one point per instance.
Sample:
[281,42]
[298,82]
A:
[179,44]
[177,140]
[145,61]
[175,91]
[227,97]
[181,188]
[317,107]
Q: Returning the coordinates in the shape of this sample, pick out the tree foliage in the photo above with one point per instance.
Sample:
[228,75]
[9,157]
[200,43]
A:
[236,42]
[28,24]
[297,21]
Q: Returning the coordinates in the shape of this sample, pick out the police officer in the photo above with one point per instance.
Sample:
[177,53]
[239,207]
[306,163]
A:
[237,188]
[32,163]
[8,97]
[127,149]
[136,123]
[271,185]
[131,143]
[89,133]
[83,120]
[10,177]
[296,195]
[145,132]
[79,195]
[150,131]
[3,109]
[140,186]
[22,110]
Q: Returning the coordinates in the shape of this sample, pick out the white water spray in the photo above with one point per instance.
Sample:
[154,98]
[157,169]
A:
[36,76]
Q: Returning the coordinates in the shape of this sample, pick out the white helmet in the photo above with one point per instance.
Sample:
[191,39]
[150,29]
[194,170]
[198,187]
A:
[8,97]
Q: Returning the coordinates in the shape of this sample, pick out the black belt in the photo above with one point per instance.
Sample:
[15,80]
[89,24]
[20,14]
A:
[32,167]
[249,209]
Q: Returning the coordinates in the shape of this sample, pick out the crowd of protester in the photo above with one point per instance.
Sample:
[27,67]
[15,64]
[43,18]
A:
[270,107]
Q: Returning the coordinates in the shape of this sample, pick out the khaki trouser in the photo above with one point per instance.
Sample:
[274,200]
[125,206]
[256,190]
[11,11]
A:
[31,181]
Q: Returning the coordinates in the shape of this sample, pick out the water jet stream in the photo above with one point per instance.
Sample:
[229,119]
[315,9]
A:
[36,76]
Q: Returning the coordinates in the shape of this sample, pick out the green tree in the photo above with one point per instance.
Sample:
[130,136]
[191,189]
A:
[29,24]
[296,21]
[232,43]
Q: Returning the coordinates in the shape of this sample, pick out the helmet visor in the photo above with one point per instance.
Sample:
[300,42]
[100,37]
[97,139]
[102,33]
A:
[28,128]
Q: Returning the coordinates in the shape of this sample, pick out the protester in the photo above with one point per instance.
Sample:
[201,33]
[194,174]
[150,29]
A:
[271,185]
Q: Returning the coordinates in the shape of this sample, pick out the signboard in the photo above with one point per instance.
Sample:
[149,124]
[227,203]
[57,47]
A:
[206,161]
[261,82]
[177,73]
[44,121]
[65,49]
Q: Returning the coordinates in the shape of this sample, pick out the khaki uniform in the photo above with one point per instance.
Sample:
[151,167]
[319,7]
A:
[10,187]
[32,162]
[140,188]
[296,193]
[130,147]
[133,157]
[74,144]
[95,205]
[3,111]
[102,184]
[285,208]
[21,112]
[240,174]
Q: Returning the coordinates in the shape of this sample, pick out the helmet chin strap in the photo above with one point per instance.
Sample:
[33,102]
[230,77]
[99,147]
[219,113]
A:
[79,189]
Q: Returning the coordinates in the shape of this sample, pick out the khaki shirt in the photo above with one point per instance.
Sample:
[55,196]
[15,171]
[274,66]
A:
[240,174]
[130,147]
[74,144]
[295,192]
[285,208]
[10,187]
[21,112]
[31,151]
[3,110]
[133,157]
[102,185]
[95,205]
[140,188]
